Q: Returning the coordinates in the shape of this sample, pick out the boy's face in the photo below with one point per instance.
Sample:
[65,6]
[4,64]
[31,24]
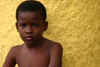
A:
[30,26]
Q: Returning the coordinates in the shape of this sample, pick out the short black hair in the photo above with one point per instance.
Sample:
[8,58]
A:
[32,6]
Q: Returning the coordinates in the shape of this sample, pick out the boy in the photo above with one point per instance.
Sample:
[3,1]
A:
[36,51]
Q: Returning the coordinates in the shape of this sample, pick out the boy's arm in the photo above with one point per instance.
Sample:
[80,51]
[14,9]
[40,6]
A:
[56,56]
[10,59]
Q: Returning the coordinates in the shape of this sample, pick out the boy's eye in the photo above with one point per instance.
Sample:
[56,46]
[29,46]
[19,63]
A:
[22,25]
[35,25]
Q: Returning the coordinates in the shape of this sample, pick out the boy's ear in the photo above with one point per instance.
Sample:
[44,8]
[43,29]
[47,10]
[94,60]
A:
[45,25]
[17,26]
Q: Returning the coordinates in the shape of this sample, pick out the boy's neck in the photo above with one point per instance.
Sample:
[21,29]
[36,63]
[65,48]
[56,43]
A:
[36,46]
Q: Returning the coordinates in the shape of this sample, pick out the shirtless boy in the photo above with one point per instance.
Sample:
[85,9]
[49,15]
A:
[36,51]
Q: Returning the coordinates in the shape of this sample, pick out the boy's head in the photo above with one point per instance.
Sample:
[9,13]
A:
[32,6]
[31,16]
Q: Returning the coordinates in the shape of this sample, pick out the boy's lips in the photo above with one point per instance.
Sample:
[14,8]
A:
[28,38]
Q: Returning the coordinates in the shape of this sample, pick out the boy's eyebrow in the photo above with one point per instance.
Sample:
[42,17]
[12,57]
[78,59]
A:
[21,22]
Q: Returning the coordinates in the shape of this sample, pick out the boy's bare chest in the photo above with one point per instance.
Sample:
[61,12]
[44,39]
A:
[35,59]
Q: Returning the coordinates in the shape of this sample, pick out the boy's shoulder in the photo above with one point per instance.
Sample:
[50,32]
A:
[53,45]
[50,42]
[15,49]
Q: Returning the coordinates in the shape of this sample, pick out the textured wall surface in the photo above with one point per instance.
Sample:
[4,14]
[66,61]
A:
[73,23]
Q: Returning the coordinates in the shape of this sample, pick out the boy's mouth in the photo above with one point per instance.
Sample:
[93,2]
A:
[29,38]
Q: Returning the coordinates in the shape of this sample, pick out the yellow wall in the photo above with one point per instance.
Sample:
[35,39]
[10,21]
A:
[73,23]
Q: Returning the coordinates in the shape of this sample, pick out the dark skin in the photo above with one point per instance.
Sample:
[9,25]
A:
[36,51]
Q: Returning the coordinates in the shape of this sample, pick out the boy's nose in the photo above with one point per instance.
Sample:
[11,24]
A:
[29,30]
